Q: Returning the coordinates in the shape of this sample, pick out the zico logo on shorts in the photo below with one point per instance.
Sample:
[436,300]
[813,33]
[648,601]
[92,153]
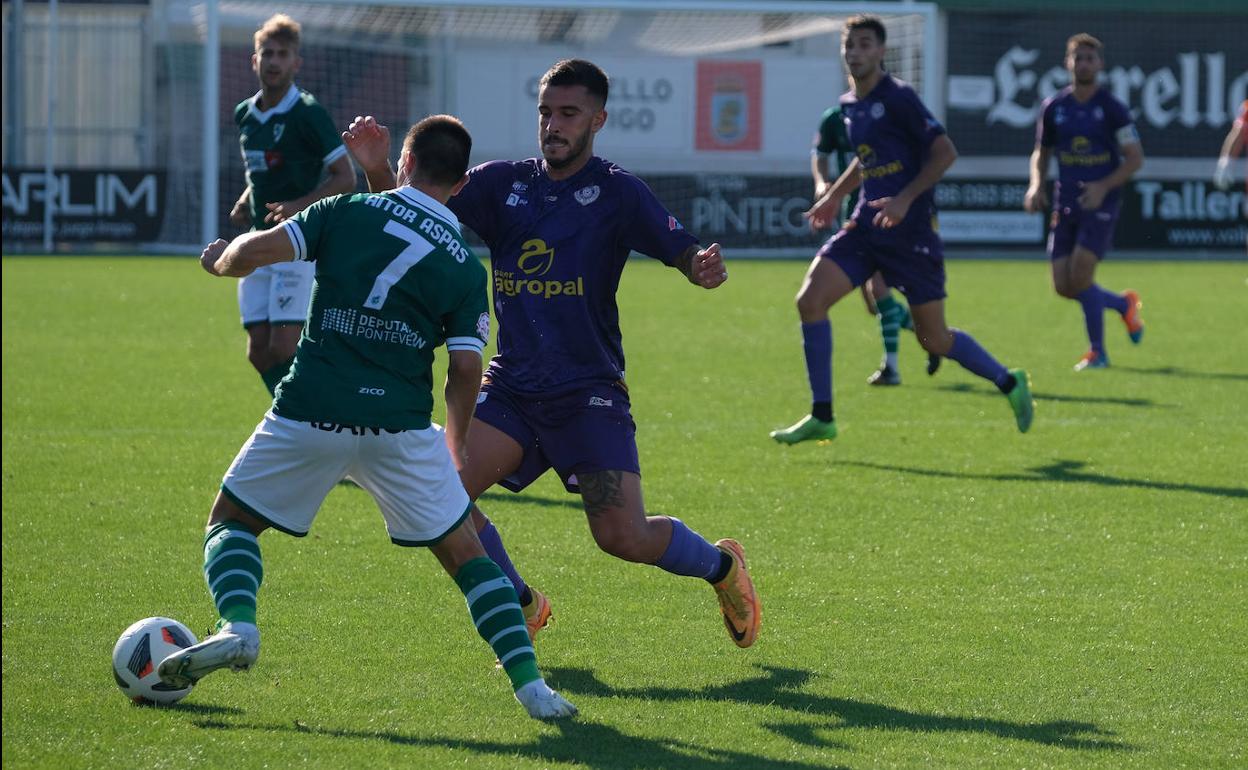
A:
[536,259]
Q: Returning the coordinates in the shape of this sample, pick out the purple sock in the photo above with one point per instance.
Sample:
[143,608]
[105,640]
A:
[1113,300]
[975,359]
[689,554]
[1093,302]
[817,342]
[494,549]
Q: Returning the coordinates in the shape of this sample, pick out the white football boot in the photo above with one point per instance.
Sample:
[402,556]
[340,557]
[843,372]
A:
[544,703]
[236,645]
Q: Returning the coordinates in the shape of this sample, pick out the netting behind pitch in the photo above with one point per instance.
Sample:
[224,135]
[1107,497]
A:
[715,109]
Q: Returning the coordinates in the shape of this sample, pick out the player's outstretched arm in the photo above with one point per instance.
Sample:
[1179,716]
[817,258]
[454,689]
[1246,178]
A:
[369,143]
[463,382]
[247,252]
[703,267]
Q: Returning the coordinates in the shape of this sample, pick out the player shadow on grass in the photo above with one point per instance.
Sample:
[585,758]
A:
[575,741]
[571,501]
[1062,471]
[200,709]
[964,387]
[1178,371]
[779,686]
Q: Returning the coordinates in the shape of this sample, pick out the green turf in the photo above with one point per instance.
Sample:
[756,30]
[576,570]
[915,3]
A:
[940,591]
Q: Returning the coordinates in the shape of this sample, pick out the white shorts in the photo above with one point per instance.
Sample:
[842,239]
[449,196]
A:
[285,470]
[276,294]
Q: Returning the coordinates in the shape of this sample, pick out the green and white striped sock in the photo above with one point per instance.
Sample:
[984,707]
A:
[234,571]
[495,611]
[891,313]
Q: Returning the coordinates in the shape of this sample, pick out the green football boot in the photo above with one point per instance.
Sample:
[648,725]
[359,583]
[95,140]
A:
[806,429]
[1020,400]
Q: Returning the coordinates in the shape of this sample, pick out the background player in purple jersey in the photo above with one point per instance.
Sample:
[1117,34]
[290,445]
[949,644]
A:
[832,142]
[902,151]
[560,229]
[1098,150]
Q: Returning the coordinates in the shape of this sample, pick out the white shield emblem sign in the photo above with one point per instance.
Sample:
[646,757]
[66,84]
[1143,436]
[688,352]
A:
[729,112]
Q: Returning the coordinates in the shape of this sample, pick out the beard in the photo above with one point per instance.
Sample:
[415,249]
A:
[576,148]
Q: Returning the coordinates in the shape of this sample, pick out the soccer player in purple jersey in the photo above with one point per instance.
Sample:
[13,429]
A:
[902,151]
[560,229]
[1098,150]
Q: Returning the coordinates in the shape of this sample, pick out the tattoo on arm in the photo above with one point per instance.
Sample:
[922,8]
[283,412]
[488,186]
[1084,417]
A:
[601,491]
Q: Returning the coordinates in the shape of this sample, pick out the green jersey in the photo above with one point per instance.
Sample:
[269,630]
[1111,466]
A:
[394,280]
[833,141]
[285,148]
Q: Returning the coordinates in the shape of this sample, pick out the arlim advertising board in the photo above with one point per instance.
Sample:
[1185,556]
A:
[1184,77]
[90,204]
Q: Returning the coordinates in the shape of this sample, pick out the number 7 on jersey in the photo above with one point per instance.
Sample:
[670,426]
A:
[418,248]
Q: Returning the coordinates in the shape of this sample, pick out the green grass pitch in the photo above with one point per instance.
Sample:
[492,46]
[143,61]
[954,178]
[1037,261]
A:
[939,590]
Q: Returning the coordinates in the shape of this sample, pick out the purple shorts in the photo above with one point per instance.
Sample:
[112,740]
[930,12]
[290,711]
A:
[582,431]
[913,263]
[1093,230]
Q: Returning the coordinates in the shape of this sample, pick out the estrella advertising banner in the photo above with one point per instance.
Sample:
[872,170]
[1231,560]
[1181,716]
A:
[1183,76]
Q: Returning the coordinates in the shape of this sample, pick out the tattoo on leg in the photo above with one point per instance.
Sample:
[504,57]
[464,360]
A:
[601,491]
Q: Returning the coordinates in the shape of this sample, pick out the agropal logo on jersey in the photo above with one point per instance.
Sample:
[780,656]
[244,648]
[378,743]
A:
[867,160]
[1080,154]
[535,261]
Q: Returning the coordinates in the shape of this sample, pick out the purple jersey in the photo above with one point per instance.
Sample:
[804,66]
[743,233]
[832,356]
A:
[1087,138]
[557,249]
[890,131]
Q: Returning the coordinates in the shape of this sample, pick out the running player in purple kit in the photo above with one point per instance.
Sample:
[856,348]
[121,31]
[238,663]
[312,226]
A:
[1098,150]
[560,229]
[902,152]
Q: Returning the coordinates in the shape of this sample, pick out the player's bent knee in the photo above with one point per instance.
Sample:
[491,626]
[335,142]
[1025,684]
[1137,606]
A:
[623,538]
[1064,289]
[259,359]
[224,509]
[621,546]
[937,344]
[811,306]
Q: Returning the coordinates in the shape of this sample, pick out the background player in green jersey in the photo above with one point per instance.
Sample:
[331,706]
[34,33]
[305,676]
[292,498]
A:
[832,143]
[394,281]
[288,143]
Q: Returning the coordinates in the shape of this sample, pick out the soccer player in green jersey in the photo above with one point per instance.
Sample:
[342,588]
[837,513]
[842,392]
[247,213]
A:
[394,281]
[832,142]
[288,143]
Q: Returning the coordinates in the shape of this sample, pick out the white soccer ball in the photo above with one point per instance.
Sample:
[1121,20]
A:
[140,650]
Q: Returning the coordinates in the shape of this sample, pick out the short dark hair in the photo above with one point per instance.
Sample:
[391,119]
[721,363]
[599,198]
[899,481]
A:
[578,72]
[440,145]
[866,21]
